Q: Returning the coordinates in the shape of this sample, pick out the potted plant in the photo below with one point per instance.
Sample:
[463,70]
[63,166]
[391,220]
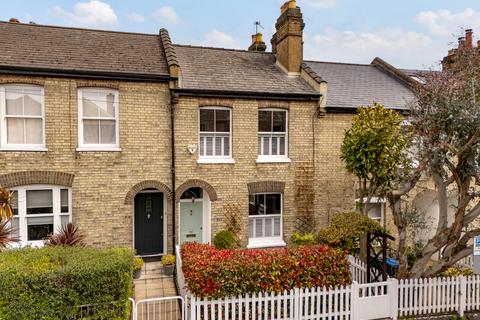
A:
[137,267]
[168,262]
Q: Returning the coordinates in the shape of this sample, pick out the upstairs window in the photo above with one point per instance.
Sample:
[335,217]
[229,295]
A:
[215,133]
[22,113]
[98,126]
[272,134]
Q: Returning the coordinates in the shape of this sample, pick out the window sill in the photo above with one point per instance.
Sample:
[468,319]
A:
[254,244]
[273,160]
[24,149]
[91,149]
[215,161]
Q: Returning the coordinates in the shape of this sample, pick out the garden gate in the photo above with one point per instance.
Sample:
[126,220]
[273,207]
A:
[167,308]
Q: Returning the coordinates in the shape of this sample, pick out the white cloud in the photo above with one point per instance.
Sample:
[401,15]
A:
[93,13]
[444,22]
[319,3]
[135,17]
[216,38]
[166,15]
[400,47]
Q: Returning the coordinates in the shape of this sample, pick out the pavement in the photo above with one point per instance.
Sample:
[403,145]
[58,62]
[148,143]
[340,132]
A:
[153,284]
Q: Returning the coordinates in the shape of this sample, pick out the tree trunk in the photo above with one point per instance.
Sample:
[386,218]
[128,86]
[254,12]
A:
[398,219]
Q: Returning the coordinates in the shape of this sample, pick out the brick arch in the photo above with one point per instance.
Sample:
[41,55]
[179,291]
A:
[27,81]
[266,186]
[197,183]
[147,184]
[24,178]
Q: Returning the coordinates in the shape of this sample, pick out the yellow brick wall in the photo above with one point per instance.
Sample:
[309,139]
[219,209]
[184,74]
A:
[102,179]
[230,180]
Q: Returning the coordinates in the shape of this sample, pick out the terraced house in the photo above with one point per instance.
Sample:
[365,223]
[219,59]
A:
[146,143]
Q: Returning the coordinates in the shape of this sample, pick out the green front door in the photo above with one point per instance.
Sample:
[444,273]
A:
[191,221]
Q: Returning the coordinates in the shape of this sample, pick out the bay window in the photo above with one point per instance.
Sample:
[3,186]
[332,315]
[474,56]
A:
[272,135]
[22,113]
[265,220]
[39,211]
[98,125]
[215,133]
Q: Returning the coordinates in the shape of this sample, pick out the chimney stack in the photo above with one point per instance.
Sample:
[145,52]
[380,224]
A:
[14,20]
[469,39]
[287,42]
[461,43]
[257,43]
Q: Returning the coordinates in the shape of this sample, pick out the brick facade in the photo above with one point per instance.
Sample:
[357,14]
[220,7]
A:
[233,182]
[103,183]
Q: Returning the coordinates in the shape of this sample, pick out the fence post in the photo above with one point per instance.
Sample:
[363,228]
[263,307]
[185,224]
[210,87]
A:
[462,295]
[134,309]
[392,292]
[296,301]
[193,306]
[354,296]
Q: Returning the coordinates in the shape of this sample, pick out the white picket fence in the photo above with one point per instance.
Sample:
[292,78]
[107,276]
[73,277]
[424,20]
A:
[359,301]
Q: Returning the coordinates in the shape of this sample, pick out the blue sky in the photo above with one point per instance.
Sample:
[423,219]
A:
[408,33]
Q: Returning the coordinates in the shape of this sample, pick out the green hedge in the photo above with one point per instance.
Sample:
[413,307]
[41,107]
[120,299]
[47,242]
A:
[55,282]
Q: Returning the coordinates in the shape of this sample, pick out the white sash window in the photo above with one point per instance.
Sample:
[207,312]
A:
[272,135]
[22,112]
[215,134]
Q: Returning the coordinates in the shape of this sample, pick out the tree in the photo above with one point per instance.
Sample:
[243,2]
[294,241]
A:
[373,150]
[445,121]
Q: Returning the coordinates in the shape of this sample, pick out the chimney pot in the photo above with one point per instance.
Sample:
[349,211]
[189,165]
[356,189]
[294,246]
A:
[14,20]
[468,39]
[257,43]
[461,43]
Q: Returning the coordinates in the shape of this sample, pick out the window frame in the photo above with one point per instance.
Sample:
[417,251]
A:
[81,138]
[4,145]
[215,159]
[376,200]
[273,158]
[57,213]
[273,241]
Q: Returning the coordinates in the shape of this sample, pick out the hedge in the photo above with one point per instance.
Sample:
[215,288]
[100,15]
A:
[213,273]
[65,283]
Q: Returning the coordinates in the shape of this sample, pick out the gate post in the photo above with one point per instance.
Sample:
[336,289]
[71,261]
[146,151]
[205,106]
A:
[462,295]
[354,301]
[392,292]
[193,307]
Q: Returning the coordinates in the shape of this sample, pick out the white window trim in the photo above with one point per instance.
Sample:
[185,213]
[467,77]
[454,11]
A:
[22,212]
[98,147]
[4,146]
[275,158]
[268,241]
[215,159]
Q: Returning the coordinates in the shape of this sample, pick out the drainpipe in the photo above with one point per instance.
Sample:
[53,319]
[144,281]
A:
[173,102]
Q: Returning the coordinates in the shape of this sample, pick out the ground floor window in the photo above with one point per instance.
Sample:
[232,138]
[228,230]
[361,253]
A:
[376,209]
[38,211]
[265,219]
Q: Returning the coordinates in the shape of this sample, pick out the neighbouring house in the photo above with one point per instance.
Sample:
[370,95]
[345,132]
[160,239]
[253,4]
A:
[86,134]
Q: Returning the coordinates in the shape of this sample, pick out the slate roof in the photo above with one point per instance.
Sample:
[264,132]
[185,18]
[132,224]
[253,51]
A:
[215,69]
[74,50]
[353,85]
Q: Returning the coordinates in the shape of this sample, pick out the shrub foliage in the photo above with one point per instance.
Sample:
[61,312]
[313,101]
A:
[55,282]
[346,229]
[224,239]
[213,273]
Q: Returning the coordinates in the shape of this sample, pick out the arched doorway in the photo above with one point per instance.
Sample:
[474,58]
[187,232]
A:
[194,209]
[149,223]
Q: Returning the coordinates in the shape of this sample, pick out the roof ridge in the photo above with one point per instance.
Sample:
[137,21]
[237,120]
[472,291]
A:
[75,28]
[219,48]
[343,63]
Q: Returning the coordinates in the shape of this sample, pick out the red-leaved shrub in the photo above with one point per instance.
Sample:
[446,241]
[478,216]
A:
[213,273]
